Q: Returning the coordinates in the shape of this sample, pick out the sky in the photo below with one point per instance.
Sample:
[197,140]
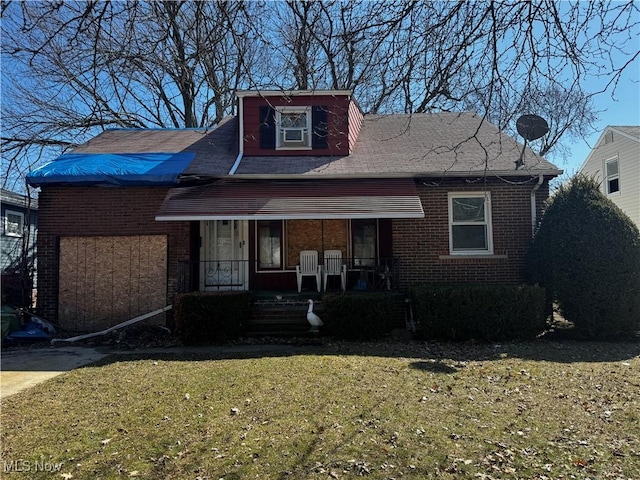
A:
[620,108]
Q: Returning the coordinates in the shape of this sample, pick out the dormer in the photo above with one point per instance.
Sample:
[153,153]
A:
[297,123]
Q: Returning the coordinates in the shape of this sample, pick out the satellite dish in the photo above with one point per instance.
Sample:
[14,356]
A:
[532,127]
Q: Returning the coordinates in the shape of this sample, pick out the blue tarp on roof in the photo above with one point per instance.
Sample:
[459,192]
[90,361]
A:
[133,169]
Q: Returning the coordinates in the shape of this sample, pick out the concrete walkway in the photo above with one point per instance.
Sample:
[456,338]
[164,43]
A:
[23,368]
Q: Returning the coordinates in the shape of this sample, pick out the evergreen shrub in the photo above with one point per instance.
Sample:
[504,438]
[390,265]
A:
[362,316]
[586,253]
[478,312]
[205,318]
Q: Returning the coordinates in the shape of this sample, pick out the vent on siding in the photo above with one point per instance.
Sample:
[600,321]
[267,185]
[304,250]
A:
[608,138]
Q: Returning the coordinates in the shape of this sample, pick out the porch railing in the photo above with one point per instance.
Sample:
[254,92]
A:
[213,275]
[362,275]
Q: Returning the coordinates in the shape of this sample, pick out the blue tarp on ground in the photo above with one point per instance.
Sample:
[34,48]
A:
[133,169]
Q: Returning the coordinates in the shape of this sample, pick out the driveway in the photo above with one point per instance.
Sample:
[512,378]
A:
[24,368]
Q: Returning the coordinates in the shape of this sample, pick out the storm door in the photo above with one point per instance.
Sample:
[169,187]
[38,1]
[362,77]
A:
[224,255]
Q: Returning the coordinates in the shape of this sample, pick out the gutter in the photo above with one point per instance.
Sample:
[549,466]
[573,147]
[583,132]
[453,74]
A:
[534,217]
[236,164]
[415,175]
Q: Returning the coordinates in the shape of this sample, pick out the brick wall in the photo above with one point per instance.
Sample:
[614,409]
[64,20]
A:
[97,211]
[423,245]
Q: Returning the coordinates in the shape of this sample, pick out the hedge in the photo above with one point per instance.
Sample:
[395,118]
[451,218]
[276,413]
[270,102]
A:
[362,316]
[203,318]
[479,312]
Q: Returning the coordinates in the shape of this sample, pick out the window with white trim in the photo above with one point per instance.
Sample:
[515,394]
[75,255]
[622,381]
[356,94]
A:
[13,223]
[293,127]
[613,175]
[470,223]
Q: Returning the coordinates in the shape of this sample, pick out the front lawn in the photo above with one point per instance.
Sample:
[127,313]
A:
[539,410]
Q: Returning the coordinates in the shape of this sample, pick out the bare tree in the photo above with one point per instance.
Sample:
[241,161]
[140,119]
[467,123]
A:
[79,67]
[500,60]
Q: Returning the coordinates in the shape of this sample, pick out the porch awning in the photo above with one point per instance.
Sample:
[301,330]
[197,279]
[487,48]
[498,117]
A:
[302,199]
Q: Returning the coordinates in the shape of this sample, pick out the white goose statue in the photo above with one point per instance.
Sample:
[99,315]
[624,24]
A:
[312,318]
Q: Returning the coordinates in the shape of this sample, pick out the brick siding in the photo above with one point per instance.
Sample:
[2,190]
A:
[96,211]
[423,245]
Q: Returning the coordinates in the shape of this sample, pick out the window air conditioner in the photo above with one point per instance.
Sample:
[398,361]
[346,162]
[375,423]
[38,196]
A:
[293,134]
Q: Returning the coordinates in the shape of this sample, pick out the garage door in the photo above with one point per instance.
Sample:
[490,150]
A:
[106,280]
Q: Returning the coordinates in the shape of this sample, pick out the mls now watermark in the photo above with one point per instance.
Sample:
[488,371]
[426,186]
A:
[30,466]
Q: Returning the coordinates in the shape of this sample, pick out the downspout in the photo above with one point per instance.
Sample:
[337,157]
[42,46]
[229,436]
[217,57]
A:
[240,136]
[534,216]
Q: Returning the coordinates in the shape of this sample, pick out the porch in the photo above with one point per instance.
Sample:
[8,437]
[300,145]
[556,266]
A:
[227,275]
[279,309]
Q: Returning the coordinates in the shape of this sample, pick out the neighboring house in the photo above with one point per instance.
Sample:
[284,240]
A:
[17,260]
[615,163]
[133,217]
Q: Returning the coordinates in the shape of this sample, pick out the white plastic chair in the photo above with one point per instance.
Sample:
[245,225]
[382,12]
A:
[333,266]
[308,268]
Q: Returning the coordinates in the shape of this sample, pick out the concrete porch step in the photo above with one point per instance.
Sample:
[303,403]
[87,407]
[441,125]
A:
[281,318]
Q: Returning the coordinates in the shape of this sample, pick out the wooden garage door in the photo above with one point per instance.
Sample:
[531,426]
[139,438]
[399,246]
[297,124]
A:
[107,280]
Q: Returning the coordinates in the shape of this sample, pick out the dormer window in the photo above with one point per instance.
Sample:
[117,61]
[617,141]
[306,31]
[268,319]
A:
[293,125]
[281,123]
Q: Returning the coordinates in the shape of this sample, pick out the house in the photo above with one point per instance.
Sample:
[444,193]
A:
[17,257]
[615,163]
[133,217]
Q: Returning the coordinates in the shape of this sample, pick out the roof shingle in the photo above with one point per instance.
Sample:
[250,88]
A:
[440,144]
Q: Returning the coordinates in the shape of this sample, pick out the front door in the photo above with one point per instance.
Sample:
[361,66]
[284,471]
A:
[224,249]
